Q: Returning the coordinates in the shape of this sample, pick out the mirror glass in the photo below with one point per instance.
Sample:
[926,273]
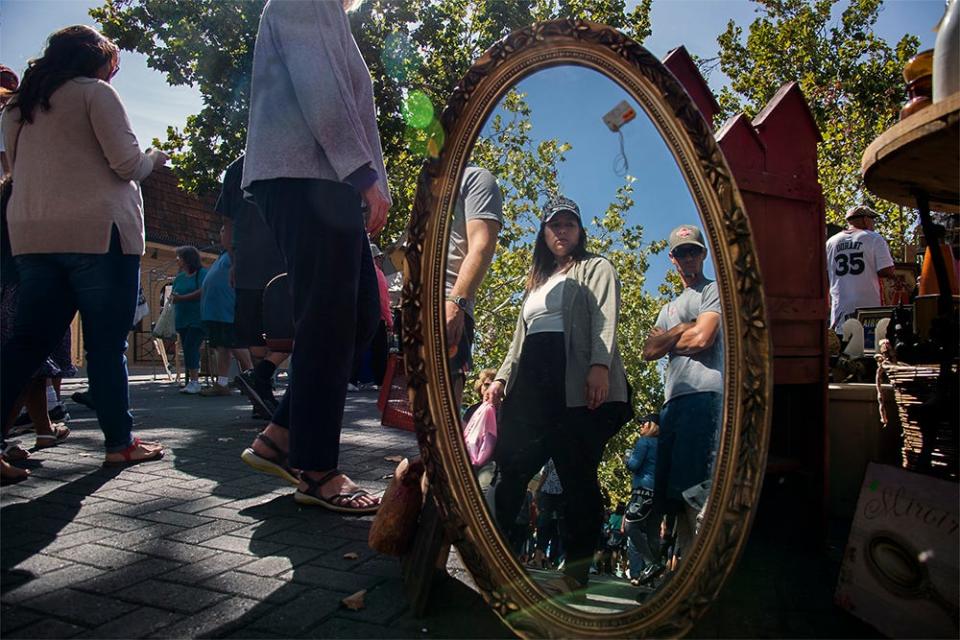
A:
[594,491]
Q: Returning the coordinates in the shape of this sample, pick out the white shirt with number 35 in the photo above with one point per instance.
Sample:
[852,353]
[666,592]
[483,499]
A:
[854,256]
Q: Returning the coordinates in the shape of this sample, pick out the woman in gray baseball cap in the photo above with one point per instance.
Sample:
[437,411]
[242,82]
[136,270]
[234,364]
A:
[563,385]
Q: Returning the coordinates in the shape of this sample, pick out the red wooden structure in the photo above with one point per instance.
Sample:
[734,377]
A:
[773,158]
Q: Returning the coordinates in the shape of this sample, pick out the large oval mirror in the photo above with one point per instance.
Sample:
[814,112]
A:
[589,347]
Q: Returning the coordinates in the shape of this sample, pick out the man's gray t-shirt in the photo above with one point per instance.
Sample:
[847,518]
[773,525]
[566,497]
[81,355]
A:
[479,199]
[701,371]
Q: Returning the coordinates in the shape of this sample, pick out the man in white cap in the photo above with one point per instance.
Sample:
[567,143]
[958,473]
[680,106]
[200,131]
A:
[688,332]
[857,258]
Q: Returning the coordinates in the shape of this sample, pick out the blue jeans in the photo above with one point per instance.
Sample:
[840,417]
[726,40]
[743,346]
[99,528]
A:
[53,288]
[689,428]
[190,339]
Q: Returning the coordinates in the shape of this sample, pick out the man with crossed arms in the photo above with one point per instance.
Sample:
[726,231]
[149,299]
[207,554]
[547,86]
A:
[688,332]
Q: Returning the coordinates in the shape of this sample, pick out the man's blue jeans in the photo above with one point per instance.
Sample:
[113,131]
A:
[53,288]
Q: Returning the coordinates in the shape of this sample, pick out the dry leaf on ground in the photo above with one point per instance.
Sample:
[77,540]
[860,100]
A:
[355,602]
[351,555]
[394,458]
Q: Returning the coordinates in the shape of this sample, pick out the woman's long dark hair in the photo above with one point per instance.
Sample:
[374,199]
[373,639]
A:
[72,52]
[544,262]
[191,258]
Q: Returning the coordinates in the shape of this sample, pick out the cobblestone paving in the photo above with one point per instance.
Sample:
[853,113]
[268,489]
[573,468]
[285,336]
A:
[198,544]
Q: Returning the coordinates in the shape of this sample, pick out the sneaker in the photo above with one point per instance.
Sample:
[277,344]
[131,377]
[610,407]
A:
[215,390]
[59,414]
[250,386]
[192,388]
[650,573]
[352,387]
[264,387]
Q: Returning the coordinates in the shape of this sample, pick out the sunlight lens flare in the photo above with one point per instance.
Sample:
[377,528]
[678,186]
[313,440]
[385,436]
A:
[417,110]
[399,57]
[425,141]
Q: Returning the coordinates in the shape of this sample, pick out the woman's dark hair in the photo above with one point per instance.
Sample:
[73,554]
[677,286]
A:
[544,262]
[72,52]
[190,257]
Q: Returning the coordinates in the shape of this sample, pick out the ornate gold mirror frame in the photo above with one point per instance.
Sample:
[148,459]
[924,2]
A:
[741,456]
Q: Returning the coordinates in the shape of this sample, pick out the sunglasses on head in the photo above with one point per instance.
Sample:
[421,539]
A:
[685,252]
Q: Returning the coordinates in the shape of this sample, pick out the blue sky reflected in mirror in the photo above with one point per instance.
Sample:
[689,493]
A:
[567,103]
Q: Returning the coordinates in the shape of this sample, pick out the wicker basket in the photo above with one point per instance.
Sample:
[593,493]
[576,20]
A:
[393,402]
[929,418]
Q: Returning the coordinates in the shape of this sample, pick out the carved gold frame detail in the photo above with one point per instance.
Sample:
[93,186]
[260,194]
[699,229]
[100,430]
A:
[741,456]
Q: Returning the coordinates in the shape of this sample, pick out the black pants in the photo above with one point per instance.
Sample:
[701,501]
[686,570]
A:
[537,425]
[319,229]
[549,517]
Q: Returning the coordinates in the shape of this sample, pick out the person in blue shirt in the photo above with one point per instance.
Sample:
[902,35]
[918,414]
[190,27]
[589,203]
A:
[217,304]
[640,525]
[186,297]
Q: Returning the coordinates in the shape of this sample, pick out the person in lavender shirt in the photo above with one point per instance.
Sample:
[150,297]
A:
[314,168]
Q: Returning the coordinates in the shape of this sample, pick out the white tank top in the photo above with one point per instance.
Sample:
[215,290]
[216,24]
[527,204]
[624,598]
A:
[543,309]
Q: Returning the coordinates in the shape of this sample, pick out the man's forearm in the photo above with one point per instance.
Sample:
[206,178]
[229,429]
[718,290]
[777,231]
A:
[472,272]
[661,344]
[700,336]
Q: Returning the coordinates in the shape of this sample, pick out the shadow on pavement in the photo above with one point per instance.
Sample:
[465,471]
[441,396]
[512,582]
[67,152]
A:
[27,528]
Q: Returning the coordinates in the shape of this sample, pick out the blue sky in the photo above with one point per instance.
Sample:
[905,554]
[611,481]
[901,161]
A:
[567,103]
[153,105]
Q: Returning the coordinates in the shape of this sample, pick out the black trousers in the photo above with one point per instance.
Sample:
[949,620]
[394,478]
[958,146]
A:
[537,425]
[319,228]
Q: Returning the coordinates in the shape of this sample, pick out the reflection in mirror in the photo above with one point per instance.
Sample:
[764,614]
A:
[584,339]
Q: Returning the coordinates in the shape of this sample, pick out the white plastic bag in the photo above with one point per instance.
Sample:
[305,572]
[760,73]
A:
[165,326]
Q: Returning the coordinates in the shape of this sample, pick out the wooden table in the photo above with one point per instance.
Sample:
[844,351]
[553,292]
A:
[918,155]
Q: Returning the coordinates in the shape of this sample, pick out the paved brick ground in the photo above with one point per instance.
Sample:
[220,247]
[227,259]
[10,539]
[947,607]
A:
[200,545]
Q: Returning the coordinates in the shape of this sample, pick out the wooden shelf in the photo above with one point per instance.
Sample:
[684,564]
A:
[918,154]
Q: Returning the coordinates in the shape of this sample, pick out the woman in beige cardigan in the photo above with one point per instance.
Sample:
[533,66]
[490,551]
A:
[564,381]
[76,224]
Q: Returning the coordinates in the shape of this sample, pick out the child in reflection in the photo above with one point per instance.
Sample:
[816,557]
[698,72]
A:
[549,519]
[482,383]
[640,525]
[564,383]
[486,472]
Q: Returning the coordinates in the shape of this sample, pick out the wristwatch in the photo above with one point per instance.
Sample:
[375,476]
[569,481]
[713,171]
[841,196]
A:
[460,301]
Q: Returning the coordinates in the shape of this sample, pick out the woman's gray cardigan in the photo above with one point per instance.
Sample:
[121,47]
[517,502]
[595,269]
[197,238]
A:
[311,98]
[591,310]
